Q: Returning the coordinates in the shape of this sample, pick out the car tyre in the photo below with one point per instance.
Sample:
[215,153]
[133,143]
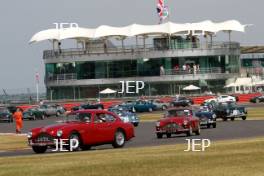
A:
[159,135]
[77,137]
[119,140]
[168,135]
[214,125]
[232,118]
[42,117]
[135,124]
[190,132]
[164,107]
[257,100]
[208,125]
[34,117]
[244,118]
[10,120]
[198,131]
[224,119]
[39,149]
[57,114]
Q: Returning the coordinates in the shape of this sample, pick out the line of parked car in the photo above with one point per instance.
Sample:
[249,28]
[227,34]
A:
[37,112]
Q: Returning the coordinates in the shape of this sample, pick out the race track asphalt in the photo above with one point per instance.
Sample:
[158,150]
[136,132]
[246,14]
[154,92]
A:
[145,133]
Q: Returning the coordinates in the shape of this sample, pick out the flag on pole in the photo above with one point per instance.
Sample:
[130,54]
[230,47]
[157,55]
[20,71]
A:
[162,10]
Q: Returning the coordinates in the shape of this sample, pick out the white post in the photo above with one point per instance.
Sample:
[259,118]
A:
[37,87]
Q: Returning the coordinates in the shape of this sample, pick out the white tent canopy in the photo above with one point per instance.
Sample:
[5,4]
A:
[259,82]
[107,91]
[230,85]
[241,82]
[191,87]
[168,28]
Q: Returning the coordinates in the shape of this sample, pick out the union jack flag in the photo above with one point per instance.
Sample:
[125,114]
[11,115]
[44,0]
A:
[162,10]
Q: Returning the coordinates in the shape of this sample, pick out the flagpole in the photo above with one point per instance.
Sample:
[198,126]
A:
[37,86]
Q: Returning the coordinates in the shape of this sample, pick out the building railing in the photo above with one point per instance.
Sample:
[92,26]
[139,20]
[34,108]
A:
[253,71]
[140,49]
[136,73]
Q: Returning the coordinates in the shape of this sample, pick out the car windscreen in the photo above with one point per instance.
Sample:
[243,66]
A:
[82,117]
[178,113]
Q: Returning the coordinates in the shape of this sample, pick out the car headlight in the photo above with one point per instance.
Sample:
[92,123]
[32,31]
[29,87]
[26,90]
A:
[29,135]
[157,124]
[185,122]
[227,111]
[59,133]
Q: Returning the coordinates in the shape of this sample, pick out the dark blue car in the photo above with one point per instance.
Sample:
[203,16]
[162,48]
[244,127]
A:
[207,117]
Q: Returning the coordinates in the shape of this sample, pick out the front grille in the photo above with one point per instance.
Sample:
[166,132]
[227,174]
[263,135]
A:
[171,128]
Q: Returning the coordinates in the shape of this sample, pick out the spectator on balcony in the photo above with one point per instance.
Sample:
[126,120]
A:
[194,69]
[105,47]
[184,67]
[188,68]
[162,71]
[59,46]
[176,69]
[198,67]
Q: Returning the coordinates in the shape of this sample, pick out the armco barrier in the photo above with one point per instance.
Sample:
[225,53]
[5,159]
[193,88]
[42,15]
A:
[106,104]
[246,97]
[25,107]
[200,100]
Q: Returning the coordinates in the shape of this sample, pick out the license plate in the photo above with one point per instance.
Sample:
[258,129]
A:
[43,139]
[203,123]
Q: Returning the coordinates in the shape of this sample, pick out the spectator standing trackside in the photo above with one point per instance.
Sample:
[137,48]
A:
[18,116]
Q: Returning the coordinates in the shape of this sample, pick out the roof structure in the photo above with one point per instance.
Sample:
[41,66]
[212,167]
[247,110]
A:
[168,28]
[252,49]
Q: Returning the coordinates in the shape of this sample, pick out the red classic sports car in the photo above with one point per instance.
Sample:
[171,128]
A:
[89,127]
[177,121]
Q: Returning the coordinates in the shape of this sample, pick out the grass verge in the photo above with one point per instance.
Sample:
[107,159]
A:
[12,142]
[229,158]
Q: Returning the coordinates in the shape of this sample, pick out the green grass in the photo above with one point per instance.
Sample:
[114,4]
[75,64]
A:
[12,142]
[253,114]
[228,158]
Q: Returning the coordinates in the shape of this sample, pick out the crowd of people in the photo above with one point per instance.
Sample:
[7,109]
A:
[184,69]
